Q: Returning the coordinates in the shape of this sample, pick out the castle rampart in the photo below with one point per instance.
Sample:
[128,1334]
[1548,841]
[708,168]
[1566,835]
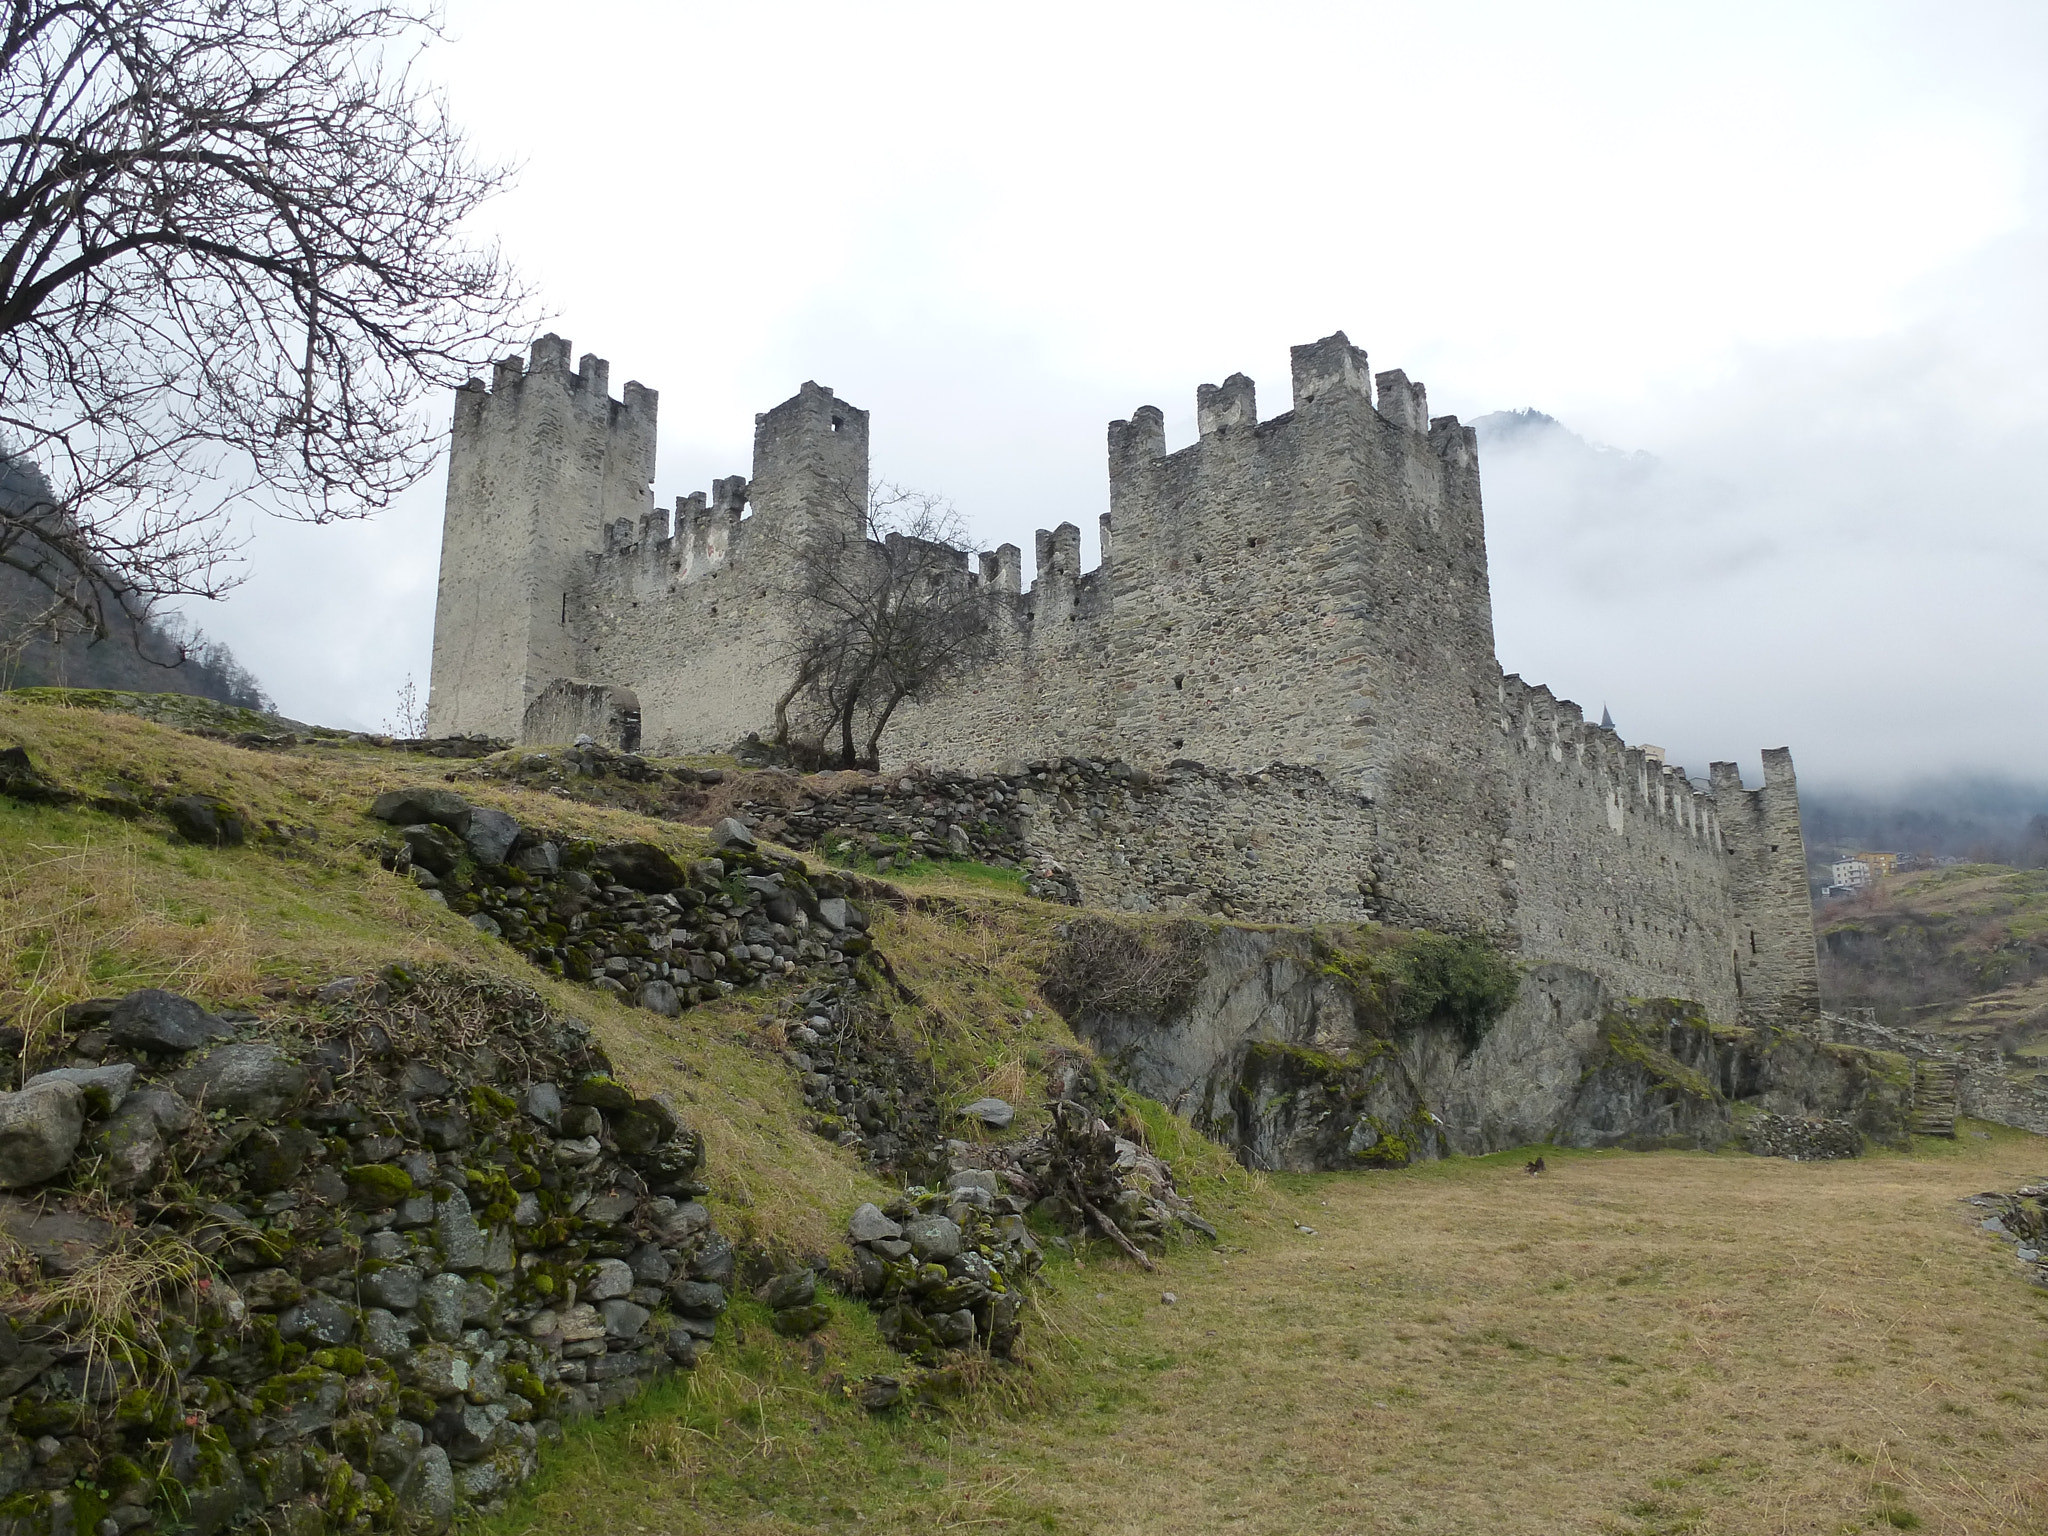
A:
[1309,589]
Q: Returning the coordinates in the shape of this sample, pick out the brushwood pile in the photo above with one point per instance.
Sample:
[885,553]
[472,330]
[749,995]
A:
[347,1267]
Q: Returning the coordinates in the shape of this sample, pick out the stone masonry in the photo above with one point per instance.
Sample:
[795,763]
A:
[1289,636]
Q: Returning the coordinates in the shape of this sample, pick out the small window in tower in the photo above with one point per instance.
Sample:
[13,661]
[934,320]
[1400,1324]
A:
[838,422]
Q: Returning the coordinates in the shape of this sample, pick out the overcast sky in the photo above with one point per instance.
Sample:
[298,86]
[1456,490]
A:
[1795,251]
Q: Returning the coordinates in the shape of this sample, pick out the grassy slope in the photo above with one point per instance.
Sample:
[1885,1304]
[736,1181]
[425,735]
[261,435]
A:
[1635,1344]
[1962,950]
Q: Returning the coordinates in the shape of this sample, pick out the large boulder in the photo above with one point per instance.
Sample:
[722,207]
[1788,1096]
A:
[433,847]
[441,807]
[641,866]
[490,834]
[158,1020]
[206,819]
[39,1131]
[254,1080]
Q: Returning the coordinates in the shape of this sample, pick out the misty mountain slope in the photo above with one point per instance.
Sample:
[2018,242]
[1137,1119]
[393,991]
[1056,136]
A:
[141,654]
[1741,589]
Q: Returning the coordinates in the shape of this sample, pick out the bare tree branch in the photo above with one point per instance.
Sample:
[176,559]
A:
[884,612]
[232,266]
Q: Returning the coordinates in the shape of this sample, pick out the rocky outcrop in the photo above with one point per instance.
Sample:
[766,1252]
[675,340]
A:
[1273,1048]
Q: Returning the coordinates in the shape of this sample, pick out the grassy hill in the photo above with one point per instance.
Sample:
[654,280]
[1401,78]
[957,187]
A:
[1961,951]
[1639,1343]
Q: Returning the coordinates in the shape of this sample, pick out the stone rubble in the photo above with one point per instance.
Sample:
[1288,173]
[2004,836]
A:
[1802,1140]
[434,1226]
[626,917]
[2021,1218]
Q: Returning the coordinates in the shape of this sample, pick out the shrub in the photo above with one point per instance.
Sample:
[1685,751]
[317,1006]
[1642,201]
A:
[1107,966]
[1459,981]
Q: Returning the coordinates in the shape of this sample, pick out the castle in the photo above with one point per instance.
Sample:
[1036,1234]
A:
[1308,590]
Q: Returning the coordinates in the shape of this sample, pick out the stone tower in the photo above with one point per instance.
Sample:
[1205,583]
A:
[539,463]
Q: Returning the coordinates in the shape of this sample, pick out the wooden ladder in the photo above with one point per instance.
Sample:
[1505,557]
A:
[1934,1098]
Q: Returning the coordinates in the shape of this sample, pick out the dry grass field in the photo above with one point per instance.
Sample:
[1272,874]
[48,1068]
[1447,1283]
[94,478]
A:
[1628,1343]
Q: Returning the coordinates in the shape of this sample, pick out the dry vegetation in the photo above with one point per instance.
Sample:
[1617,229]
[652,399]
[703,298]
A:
[1963,947]
[1632,1344]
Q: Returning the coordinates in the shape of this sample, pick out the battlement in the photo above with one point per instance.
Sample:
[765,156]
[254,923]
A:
[1543,725]
[547,362]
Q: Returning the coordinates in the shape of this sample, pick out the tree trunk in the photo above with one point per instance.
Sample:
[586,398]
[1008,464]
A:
[874,752]
[847,759]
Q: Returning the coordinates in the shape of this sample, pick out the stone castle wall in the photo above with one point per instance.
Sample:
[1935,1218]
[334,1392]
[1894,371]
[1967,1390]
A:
[1309,590]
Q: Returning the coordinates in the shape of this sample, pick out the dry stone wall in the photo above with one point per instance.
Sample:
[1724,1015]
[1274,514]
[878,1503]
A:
[382,1246]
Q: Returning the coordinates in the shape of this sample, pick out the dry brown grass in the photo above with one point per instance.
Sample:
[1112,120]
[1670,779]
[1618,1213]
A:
[1630,1343]
[1641,1345]
[64,910]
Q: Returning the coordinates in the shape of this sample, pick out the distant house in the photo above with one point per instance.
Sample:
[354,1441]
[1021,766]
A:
[1881,865]
[1851,874]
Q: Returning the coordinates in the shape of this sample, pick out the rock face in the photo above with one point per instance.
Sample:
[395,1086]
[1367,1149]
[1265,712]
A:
[419,1267]
[1271,1050]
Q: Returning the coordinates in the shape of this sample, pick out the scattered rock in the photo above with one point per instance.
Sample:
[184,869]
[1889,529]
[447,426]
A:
[205,819]
[442,807]
[39,1131]
[993,1113]
[640,866]
[731,832]
[254,1080]
[490,834]
[21,779]
[799,1288]
[934,1239]
[104,1087]
[433,848]
[162,1021]
[796,1322]
[135,1139]
[868,1223]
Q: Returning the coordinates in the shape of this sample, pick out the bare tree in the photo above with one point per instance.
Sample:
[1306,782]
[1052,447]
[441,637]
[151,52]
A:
[231,268]
[883,611]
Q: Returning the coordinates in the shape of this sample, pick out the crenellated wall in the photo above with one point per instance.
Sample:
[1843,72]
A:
[1308,590]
